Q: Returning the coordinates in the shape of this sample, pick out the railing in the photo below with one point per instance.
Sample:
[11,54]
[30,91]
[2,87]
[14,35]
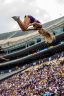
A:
[19,44]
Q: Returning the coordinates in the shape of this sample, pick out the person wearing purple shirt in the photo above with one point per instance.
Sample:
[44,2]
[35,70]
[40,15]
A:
[31,21]
[28,21]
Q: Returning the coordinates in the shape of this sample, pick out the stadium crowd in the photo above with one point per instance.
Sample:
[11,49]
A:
[44,79]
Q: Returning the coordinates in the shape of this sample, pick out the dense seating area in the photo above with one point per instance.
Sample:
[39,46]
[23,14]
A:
[43,79]
[44,76]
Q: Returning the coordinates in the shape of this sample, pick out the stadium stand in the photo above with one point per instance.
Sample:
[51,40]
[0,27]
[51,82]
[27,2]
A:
[15,40]
[37,80]
[37,69]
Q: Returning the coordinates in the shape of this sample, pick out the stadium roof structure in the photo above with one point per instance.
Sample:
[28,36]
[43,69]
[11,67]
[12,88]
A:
[50,24]
[56,21]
